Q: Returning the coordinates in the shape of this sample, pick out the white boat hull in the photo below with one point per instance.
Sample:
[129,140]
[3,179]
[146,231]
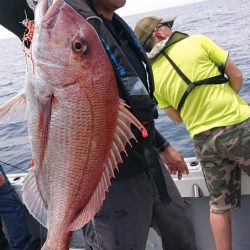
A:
[193,189]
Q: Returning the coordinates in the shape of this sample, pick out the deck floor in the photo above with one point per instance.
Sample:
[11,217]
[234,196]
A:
[77,242]
[153,243]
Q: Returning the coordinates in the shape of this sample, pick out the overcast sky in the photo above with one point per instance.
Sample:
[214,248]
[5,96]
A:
[140,6]
[131,7]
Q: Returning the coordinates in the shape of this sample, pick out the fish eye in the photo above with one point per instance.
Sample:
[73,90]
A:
[79,45]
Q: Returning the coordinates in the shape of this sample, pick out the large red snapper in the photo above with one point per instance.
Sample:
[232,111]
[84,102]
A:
[77,124]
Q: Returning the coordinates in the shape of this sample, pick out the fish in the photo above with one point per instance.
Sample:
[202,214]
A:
[78,127]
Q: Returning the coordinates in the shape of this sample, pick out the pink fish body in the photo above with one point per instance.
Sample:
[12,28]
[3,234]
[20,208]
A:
[77,124]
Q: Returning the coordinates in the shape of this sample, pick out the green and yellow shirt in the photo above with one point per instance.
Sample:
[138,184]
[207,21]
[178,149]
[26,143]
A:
[207,106]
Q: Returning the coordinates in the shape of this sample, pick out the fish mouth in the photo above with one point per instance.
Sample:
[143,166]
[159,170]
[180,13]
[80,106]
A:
[47,15]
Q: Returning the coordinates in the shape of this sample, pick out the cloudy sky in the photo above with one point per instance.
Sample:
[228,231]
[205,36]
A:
[131,7]
[140,6]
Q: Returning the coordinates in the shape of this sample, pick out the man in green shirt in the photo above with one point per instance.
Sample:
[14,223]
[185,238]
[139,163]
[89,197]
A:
[191,87]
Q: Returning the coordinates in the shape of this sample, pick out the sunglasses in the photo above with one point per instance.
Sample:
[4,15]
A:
[159,26]
[164,24]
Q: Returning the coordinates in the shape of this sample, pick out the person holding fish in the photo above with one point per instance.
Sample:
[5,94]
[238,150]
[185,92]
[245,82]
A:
[98,158]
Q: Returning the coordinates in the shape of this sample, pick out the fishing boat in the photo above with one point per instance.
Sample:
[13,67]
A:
[193,189]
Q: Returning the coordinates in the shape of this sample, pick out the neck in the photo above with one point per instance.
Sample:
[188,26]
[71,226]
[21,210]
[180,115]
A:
[157,40]
[106,14]
[103,9]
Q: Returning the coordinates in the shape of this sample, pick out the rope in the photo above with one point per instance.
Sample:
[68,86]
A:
[96,235]
[13,166]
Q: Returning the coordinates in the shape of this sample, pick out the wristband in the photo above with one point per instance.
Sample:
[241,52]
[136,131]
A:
[164,147]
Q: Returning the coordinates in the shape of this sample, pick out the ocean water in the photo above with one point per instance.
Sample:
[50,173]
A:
[224,21]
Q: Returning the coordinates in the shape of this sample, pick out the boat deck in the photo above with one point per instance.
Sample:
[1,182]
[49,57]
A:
[153,243]
[193,190]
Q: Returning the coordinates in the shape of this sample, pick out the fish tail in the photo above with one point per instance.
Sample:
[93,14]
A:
[46,247]
[56,243]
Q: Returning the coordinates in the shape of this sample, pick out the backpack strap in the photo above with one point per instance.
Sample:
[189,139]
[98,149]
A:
[219,79]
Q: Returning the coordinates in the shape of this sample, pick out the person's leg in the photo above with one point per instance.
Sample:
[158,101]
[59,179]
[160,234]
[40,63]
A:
[238,147]
[221,229]
[173,221]
[216,151]
[237,143]
[12,212]
[18,232]
[124,219]
[223,182]
[3,241]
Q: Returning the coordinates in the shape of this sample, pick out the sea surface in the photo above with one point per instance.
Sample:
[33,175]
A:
[224,21]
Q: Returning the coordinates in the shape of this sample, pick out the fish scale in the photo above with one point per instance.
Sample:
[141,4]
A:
[77,124]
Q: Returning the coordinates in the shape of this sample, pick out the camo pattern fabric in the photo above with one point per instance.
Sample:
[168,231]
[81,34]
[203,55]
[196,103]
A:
[223,153]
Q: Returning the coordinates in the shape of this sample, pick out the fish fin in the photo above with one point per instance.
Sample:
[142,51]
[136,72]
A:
[32,198]
[14,110]
[43,122]
[122,136]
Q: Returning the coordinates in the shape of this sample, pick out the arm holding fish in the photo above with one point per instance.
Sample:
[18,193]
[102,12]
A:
[172,158]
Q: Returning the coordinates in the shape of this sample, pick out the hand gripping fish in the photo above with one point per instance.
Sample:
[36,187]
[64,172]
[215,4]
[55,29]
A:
[77,124]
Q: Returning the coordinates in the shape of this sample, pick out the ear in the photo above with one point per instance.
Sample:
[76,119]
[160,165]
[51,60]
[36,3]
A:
[160,34]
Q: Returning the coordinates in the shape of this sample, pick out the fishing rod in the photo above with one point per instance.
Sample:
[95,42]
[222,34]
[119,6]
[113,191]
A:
[13,166]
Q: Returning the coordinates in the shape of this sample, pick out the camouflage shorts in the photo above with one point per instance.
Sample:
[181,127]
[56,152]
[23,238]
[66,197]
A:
[223,153]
